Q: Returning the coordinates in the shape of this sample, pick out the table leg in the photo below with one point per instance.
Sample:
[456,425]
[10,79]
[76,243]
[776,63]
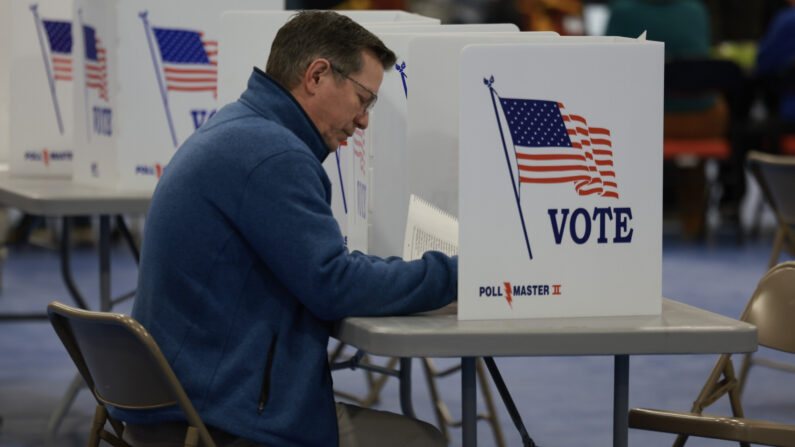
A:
[66,265]
[621,401]
[104,305]
[104,264]
[468,402]
[404,377]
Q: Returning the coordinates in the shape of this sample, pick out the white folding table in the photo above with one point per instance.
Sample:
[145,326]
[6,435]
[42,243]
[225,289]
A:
[679,329]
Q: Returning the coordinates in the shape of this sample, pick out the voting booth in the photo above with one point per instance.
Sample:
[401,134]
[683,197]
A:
[145,78]
[560,179]
[41,63]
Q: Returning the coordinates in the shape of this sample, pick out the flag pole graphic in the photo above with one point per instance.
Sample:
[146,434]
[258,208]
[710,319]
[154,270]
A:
[488,83]
[85,74]
[163,93]
[47,67]
[342,185]
[402,69]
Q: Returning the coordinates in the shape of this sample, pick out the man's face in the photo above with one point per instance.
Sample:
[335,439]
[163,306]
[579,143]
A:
[340,107]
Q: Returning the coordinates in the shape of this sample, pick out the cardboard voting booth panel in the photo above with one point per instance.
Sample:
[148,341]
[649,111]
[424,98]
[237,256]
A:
[560,179]
[388,183]
[5,78]
[148,80]
[41,72]
[246,38]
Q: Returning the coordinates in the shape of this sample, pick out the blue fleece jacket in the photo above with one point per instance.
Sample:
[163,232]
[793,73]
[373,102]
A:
[244,269]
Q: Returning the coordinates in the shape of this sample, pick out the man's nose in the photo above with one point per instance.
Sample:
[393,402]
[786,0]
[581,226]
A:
[362,120]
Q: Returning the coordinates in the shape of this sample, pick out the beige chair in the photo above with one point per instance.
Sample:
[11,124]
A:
[123,367]
[772,309]
[776,177]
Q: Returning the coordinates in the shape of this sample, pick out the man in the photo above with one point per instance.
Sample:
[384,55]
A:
[244,268]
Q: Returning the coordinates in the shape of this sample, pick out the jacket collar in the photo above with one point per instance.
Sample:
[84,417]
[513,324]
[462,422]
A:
[268,98]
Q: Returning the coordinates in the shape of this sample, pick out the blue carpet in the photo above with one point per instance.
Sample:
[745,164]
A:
[564,401]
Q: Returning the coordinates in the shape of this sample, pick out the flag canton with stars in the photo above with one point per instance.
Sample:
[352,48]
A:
[535,123]
[181,46]
[59,34]
[91,43]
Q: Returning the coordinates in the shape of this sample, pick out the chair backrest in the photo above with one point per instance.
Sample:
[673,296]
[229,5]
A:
[120,361]
[772,308]
[776,177]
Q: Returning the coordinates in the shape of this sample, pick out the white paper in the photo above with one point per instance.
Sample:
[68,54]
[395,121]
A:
[429,228]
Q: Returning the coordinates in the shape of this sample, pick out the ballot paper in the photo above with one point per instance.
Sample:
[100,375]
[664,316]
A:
[429,228]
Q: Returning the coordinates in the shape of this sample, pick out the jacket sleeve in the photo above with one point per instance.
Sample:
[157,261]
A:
[286,219]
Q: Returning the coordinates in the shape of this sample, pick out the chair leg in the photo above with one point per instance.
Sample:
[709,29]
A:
[778,243]
[747,362]
[485,388]
[100,414]
[192,437]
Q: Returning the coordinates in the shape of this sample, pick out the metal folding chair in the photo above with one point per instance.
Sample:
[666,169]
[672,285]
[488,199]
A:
[123,367]
[772,309]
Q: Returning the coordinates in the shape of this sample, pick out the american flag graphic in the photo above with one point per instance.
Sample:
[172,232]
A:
[554,146]
[96,63]
[59,36]
[189,62]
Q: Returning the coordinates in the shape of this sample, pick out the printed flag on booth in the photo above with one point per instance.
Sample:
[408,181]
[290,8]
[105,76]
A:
[551,145]
[96,63]
[59,38]
[189,62]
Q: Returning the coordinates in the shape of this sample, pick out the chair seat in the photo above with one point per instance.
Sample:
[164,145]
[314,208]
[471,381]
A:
[716,148]
[710,426]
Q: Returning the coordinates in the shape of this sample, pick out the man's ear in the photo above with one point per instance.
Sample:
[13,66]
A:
[316,75]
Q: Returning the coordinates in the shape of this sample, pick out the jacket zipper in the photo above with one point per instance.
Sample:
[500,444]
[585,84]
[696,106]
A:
[266,379]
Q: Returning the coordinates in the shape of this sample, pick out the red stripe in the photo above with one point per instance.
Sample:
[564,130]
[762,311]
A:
[578,118]
[95,77]
[552,168]
[210,42]
[64,60]
[610,194]
[571,131]
[611,184]
[585,142]
[565,117]
[608,173]
[582,131]
[604,163]
[576,145]
[63,69]
[550,157]
[600,130]
[550,180]
[601,141]
[62,78]
[190,70]
[603,152]
[560,105]
[180,79]
[192,89]
[589,156]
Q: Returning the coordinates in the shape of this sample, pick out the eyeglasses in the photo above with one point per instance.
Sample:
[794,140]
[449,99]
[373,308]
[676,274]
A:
[370,103]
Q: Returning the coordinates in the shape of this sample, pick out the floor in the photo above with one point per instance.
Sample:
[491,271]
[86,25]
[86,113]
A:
[564,401]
